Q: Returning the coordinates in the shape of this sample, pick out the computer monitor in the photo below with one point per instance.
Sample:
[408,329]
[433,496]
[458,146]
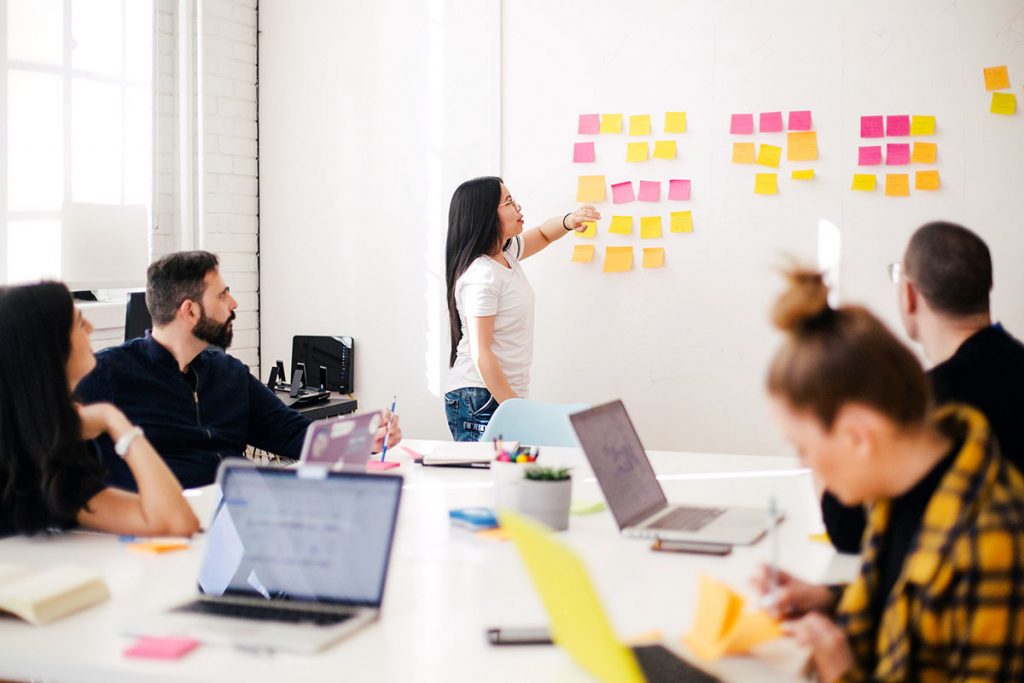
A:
[334,353]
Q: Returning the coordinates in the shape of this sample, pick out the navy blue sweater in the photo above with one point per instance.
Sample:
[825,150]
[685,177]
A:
[194,419]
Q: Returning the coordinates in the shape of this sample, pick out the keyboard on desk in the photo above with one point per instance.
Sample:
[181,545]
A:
[686,519]
[263,613]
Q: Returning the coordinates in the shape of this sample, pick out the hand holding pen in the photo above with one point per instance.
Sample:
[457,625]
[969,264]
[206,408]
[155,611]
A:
[391,418]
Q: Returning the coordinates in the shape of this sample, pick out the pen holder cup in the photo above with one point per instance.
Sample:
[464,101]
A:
[507,478]
[547,501]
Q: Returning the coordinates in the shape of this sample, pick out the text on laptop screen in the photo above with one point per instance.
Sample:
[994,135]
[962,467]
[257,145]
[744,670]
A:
[282,536]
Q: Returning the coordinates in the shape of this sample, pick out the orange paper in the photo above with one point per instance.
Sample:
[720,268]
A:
[897,185]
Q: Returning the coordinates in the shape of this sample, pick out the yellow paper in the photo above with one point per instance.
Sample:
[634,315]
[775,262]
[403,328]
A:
[158,547]
[721,627]
[618,259]
[636,151]
[681,221]
[611,123]
[863,182]
[591,188]
[1004,103]
[769,155]
[654,257]
[997,78]
[897,184]
[803,174]
[665,149]
[583,253]
[922,125]
[752,629]
[621,225]
[743,152]
[766,183]
[802,146]
[496,534]
[675,122]
[640,124]
[926,180]
[821,537]
[650,227]
[590,232]
[924,153]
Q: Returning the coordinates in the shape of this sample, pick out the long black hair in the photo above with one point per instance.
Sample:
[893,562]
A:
[473,230]
[42,456]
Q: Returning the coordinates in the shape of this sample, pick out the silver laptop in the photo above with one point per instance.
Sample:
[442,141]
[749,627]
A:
[637,501]
[294,560]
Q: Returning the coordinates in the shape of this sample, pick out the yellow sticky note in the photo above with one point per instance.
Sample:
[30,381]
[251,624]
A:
[897,184]
[497,534]
[618,259]
[611,123]
[650,227]
[766,183]
[665,149]
[675,122]
[926,180]
[743,152]
[803,174]
[769,155]
[922,125]
[681,221]
[997,78]
[583,253]
[621,225]
[802,146]
[720,626]
[640,124]
[654,257]
[863,182]
[1003,103]
[591,188]
[636,151]
[590,231]
[924,153]
[820,537]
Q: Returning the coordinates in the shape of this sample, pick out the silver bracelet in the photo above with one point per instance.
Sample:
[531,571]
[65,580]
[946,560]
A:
[125,442]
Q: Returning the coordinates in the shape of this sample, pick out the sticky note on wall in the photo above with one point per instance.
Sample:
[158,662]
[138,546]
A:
[583,152]
[803,174]
[650,191]
[675,122]
[802,146]
[924,153]
[590,231]
[618,259]
[590,188]
[681,221]
[636,151]
[997,77]
[922,125]
[679,189]
[897,185]
[640,124]
[766,183]
[743,152]
[590,124]
[800,120]
[622,193]
[621,225]
[870,155]
[650,227]
[1003,103]
[770,122]
[769,155]
[583,253]
[863,182]
[742,124]
[926,180]
[897,154]
[871,127]
[611,123]
[654,257]
[897,126]
[665,149]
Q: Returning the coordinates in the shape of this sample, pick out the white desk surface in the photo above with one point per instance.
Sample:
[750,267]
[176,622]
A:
[445,587]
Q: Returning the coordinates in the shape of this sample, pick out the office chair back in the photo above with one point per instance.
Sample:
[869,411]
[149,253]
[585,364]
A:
[136,316]
[534,423]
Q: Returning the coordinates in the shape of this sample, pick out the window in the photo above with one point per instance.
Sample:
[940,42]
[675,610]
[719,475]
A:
[76,85]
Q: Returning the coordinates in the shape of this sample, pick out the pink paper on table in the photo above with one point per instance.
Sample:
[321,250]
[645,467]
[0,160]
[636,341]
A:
[897,154]
[800,120]
[161,648]
[897,126]
[771,122]
[590,124]
[870,156]
[650,191]
[871,127]
[679,189]
[622,193]
[583,152]
[742,124]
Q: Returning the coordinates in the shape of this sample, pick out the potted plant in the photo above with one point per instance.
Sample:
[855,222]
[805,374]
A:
[545,493]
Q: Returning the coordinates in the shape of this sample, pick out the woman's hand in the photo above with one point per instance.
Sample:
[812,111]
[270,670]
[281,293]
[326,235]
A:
[102,418]
[830,650]
[791,597]
[584,214]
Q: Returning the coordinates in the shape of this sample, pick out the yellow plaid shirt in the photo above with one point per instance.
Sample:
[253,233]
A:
[956,612]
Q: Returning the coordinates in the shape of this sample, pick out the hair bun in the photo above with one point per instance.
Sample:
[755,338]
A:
[805,299]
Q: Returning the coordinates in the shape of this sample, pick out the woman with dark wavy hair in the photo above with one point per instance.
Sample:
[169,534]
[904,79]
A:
[50,478]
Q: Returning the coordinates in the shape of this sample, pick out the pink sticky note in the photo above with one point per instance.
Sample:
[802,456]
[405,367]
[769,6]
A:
[897,154]
[800,120]
[742,124]
[871,127]
[381,465]
[590,124]
[771,122]
[679,189]
[650,191]
[897,125]
[583,152]
[161,648]
[870,156]
[622,193]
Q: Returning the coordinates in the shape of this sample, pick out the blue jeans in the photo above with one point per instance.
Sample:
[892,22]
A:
[469,409]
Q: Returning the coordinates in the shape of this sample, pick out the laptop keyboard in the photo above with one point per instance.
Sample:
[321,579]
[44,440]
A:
[687,519]
[263,613]
[661,665]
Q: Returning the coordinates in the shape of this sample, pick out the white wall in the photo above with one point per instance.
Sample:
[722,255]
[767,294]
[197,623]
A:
[362,143]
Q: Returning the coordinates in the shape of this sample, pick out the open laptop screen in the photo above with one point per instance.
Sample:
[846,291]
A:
[625,474]
[280,535]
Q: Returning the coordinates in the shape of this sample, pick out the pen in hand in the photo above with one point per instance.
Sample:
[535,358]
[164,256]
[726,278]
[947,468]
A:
[387,428]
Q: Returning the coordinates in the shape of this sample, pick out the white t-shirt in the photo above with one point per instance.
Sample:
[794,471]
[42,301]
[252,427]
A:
[489,288]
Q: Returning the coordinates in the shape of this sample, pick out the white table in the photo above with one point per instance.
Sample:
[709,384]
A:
[444,588]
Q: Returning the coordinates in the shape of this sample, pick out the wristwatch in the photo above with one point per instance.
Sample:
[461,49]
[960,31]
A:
[125,442]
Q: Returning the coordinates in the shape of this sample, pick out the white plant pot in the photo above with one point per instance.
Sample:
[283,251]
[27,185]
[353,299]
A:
[506,476]
[546,501]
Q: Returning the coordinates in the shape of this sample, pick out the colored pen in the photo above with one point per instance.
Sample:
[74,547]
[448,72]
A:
[387,429]
[773,519]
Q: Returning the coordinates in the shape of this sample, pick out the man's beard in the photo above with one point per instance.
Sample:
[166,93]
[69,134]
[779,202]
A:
[212,332]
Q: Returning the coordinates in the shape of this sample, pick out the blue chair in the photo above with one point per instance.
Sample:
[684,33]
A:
[533,423]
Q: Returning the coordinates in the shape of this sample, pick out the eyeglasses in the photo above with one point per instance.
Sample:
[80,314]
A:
[510,202]
[895,272]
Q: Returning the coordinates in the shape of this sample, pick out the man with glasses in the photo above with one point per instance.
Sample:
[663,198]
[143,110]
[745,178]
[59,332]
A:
[944,282]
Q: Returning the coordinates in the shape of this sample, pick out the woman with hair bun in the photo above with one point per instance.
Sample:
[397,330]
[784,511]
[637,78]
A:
[940,595]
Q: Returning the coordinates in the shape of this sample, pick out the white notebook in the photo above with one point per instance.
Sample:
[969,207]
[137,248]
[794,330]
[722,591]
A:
[461,454]
[40,597]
